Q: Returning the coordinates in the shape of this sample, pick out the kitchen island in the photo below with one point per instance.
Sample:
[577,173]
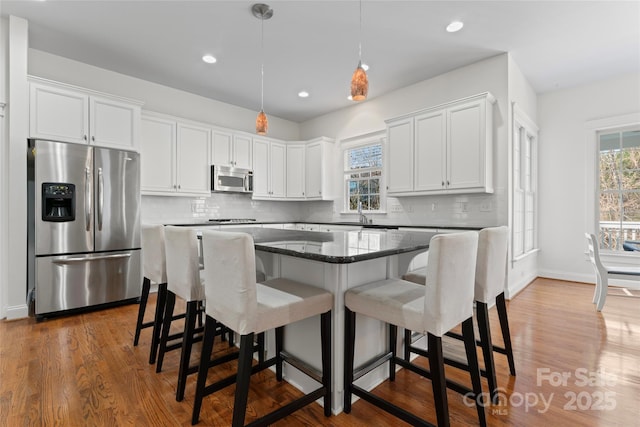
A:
[335,261]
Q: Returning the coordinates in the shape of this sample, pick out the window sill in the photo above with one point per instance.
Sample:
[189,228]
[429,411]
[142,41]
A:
[524,255]
[364,213]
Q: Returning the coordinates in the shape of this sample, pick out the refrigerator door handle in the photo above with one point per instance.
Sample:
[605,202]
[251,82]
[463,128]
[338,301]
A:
[93,258]
[100,197]
[87,198]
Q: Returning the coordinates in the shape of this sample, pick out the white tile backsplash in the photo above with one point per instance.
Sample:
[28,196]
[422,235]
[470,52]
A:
[473,210]
[169,209]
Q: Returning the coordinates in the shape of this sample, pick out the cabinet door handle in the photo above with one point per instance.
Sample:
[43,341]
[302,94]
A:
[93,138]
[447,183]
[84,137]
[443,183]
[179,186]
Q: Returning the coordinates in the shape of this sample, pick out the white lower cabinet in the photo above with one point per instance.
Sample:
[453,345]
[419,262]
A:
[174,156]
[442,150]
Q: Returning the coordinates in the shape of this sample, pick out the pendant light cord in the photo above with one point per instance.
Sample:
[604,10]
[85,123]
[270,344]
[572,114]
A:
[262,63]
[360,35]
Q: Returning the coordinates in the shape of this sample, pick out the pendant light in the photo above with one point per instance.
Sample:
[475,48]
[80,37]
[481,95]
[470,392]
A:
[359,81]
[262,11]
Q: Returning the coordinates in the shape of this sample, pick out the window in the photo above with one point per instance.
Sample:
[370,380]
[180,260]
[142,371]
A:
[363,177]
[619,187]
[525,168]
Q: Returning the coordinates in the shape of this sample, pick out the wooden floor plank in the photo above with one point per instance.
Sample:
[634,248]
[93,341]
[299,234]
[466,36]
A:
[83,370]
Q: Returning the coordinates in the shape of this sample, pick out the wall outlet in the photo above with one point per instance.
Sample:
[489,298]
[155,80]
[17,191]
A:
[434,207]
[409,208]
[464,207]
[396,208]
[485,206]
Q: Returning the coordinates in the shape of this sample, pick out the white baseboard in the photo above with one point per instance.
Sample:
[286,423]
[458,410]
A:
[17,312]
[587,278]
[514,288]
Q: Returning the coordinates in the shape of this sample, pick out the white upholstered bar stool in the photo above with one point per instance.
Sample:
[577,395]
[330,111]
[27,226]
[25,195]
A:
[235,299]
[154,270]
[183,280]
[490,280]
[445,301]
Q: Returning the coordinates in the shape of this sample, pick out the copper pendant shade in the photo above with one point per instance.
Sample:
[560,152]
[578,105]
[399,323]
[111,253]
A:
[359,84]
[262,124]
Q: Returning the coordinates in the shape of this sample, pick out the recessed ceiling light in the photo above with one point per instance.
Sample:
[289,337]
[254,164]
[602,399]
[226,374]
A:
[455,26]
[303,94]
[209,59]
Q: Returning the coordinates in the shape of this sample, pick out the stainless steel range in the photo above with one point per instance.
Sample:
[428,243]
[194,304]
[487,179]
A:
[83,225]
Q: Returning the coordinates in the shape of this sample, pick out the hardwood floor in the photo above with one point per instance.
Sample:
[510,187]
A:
[574,367]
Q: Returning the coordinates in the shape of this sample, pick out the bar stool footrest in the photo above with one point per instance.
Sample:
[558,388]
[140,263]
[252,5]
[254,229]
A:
[390,407]
[288,409]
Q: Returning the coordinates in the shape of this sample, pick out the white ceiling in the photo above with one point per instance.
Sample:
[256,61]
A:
[313,45]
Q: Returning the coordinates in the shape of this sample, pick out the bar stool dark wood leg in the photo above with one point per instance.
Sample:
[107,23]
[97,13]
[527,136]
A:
[144,296]
[242,382]
[157,322]
[506,336]
[438,381]
[393,340]
[349,338]
[187,342]
[482,315]
[407,344]
[166,326]
[279,348]
[210,326]
[474,369]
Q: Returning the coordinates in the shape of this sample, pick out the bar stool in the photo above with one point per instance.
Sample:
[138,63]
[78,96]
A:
[154,270]
[235,299]
[433,309]
[184,281]
[491,274]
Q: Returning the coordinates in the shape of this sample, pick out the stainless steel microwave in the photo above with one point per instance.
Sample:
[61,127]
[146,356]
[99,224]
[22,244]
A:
[231,180]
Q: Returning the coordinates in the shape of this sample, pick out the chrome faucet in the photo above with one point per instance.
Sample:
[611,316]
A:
[363,218]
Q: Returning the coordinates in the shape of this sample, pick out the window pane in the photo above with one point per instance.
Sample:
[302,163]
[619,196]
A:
[376,173]
[631,208]
[375,202]
[364,199]
[369,156]
[374,185]
[353,203]
[609,170]
[365,174]
[630,160]
[364,186]
[353,187]
[610,207]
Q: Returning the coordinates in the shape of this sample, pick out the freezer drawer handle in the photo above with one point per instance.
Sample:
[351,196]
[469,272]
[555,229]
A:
[86,259]
[87,197]
[100,197]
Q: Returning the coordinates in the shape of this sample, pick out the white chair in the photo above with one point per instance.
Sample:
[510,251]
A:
[445,301]
[249,308]
[604,272]
[184,281]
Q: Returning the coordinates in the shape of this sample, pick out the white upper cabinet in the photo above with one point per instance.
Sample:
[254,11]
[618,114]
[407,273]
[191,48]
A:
[318,169]
[231,149]
[174,156]
[157,155]
[269,169]
[400,155]
[65,113]
[443,150]
[295,171]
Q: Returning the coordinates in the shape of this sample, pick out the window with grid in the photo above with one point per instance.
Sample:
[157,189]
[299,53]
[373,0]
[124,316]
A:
[524,185]
[619,188]
[363,178]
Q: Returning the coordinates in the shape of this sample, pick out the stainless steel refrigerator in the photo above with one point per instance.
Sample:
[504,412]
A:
[84,225]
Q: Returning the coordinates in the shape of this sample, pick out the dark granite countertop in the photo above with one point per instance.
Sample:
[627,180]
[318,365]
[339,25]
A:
[349,223]
[339,247]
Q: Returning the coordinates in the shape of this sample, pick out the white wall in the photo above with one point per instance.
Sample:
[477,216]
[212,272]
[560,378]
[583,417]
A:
[564,211]
[369,116]
[156,97]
